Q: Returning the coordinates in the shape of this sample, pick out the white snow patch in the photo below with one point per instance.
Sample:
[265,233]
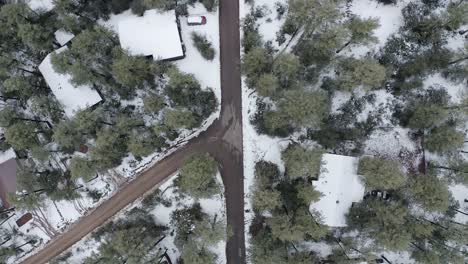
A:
[389,143]
[340,187]
[456,91]
[207,72]
[390,19]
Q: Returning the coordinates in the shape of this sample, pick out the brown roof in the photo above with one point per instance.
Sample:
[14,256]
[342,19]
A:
[7,180]
[24,219]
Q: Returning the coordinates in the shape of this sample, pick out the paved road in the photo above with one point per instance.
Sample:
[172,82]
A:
[223,140]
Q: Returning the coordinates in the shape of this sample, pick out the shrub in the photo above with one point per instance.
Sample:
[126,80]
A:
[203,46]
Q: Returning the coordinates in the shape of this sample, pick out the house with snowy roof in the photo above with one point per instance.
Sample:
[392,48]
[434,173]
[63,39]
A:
[155,34]
[340,186]
[8,168]
[72,98]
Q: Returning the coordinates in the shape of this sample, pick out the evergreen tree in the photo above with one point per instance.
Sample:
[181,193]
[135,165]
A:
[267,85]
[430,192]
[285,68]
[301,162]
[133,71]
[82,168]
[444,139]
[197,177]
[365,72]
[21,136]
[303,108]
[381,174]
[383,221]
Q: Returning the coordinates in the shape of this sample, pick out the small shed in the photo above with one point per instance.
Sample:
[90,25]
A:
[340,186]
[155,34]
[24,219]
[8,168]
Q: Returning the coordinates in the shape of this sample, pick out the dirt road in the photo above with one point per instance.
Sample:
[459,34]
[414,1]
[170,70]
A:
[223,140]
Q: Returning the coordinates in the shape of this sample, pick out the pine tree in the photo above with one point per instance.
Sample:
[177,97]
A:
[301,162]
[430,192]
[197,177]
[381,174]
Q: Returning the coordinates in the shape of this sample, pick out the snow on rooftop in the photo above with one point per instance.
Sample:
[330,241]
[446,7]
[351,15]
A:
[154,34]
[72,98]
[460,193]
[63,37]
[46,5]
[7,155]
[340,187]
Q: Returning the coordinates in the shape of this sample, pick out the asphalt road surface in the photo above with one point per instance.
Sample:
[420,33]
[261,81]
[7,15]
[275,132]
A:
[223,140]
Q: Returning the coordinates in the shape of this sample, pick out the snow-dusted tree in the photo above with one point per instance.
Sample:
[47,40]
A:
[179,118]
[133,71]
[301,162]
[109,150]
[383,221]
[153,103]
[294,227]
[81,167]
[444,139]
[303,108]
[196,254]
[381,174]
[255,63]
[364,72]
[361,31]
[267,85]
[430,192]
[197,177]
[67,135]
[21,136]
[285,69]
[426,115]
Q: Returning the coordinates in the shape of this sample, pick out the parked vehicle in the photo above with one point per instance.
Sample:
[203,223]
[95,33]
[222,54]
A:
[196,20]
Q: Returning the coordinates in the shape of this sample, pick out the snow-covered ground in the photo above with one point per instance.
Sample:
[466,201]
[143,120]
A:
[162,216]
[388,140]
[390,20]
[62,214]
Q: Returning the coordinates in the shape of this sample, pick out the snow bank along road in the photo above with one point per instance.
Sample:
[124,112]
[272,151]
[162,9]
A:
[223,140]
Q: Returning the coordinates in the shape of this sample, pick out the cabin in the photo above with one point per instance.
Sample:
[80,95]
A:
[155,34]
[72,98]
[8,169]
[340,186]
